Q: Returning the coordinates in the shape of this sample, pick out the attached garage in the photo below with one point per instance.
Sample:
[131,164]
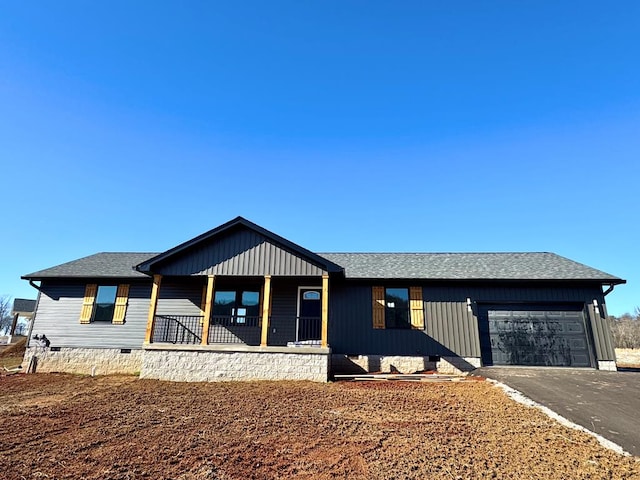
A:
[535,335]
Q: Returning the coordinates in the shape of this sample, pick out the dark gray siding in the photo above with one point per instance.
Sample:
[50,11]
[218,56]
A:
[179,299]
[602,335]
[58,314]
[450,329]
[244,253]
[283,310]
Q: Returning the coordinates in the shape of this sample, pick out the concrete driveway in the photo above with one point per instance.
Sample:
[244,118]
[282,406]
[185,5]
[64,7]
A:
[607,403]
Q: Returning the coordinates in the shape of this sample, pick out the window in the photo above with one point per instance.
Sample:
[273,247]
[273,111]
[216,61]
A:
[104,303]
[311,295]
[396,312]
[238,304]
[397,308]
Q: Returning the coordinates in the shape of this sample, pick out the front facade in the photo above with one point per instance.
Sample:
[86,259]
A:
[240,302]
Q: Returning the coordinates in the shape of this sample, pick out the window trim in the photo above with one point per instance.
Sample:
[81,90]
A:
[416,307]
[90,299]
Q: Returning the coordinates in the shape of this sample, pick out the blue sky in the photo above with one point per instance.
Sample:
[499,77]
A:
[341,125]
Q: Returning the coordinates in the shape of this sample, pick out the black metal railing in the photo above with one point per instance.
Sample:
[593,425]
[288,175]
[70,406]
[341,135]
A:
[308,328]
[285,330]
[178,329]
[235,329]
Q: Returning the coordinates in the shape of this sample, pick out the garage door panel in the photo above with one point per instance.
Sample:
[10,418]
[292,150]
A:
[535,336]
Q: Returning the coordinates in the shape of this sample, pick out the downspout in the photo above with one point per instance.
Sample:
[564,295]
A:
[606,317]
[608,290]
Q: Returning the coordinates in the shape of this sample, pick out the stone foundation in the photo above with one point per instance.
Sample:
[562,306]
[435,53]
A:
[224,363]
[89,361]
[609,365]
[355,364]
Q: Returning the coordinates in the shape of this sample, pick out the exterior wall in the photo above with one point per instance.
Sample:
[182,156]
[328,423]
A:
[282,326]
[603,339]
[179,298]
[450,329]
[249,363]
[88,361]
[353,365]
[58,313]
[242,252]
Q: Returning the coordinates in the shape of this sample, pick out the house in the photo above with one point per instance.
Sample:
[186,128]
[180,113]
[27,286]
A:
[22,308]
[240,302]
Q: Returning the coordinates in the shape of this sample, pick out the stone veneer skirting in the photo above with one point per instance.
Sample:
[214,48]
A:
[223,363]
[89,361]
[608,365]
[356,364]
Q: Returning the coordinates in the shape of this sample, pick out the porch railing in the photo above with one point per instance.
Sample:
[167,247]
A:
[283,330]
[235,329]
[286,330]
[177,329]
[308,328]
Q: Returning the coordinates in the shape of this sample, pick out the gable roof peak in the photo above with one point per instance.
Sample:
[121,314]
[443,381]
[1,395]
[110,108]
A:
[329,266]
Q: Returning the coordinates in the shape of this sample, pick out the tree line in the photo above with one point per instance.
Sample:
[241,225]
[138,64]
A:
[626,329]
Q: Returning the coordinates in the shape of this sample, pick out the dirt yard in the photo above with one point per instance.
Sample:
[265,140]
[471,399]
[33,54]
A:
[62,426]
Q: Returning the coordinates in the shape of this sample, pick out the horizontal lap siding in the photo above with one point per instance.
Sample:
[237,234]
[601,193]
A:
[58,315]
[240,253]
[450,329]
[283,311]
[179,299]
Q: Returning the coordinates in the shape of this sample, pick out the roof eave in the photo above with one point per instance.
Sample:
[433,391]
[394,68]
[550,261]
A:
[606,281]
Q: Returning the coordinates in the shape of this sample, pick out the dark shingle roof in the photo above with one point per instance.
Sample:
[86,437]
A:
[23,305]
[430,266]
[466,266]
[106,264]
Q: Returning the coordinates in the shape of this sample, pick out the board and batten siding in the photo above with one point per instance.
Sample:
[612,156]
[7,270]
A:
[58,314]
[239,253]
[450,329]
[351,329]
[602,335]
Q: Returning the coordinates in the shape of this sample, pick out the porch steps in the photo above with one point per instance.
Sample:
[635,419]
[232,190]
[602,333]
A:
[414,377]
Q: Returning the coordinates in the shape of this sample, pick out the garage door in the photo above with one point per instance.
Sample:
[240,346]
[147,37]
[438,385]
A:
[541,335]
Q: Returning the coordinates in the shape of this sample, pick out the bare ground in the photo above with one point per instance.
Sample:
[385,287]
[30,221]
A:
[118,427]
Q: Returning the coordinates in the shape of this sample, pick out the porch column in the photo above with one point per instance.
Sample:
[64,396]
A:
[155,290]
[325,311]
[266,306]
[206,321]
[14,324]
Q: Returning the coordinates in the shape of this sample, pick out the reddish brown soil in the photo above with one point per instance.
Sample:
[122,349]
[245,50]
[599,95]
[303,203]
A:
[61,426]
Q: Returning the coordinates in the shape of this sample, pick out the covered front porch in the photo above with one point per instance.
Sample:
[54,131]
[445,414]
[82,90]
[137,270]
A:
[238,303]
[251,311]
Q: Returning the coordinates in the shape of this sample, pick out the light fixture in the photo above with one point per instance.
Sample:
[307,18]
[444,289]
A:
[469,309]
